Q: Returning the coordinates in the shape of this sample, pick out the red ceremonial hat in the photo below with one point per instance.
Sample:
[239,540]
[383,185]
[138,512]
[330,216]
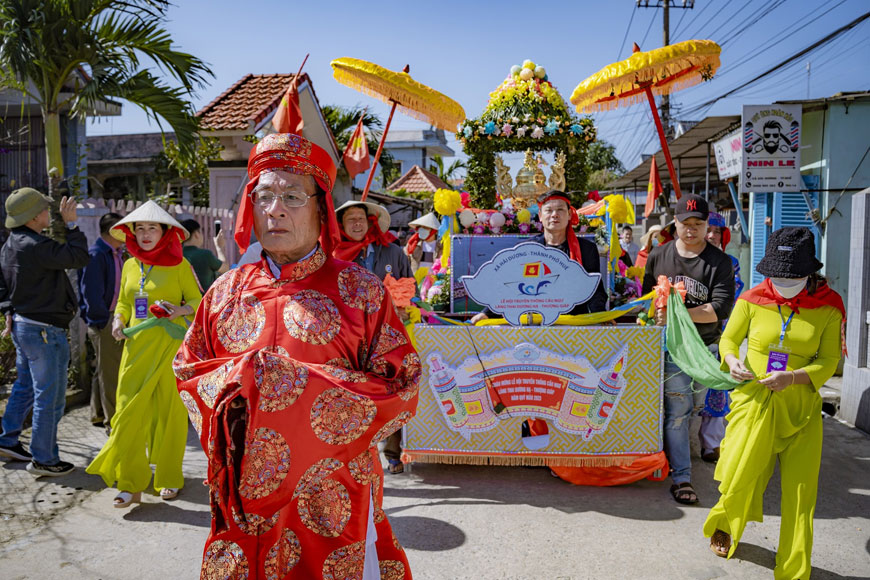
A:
[293,154]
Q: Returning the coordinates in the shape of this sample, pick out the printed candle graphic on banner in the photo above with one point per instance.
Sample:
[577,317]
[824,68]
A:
[528,381]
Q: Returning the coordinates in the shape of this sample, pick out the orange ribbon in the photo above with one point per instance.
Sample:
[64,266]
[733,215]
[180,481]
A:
[663,290]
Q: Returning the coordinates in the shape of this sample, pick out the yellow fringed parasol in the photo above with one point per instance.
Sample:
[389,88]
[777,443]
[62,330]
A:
[644,74]
[400,91]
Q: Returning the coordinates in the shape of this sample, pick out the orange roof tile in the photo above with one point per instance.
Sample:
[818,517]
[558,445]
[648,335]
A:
[418,179]
[246,103]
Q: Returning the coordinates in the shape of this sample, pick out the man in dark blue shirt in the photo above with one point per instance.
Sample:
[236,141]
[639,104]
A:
[99,285]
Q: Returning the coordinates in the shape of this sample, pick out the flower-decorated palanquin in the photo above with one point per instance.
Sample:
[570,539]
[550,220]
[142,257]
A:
[525,113]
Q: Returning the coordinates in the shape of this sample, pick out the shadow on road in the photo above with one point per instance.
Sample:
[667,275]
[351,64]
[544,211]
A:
[767,558]
[426,534]
[475,485]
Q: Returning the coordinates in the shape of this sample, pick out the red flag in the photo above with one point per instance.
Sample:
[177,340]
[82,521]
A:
[356,154]
[654,189]
[288,117]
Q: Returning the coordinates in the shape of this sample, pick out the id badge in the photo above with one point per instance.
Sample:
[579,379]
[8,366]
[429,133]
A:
[777,358]
[140,306]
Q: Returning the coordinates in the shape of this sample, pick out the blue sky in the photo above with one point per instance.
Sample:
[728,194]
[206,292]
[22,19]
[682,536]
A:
[465,48]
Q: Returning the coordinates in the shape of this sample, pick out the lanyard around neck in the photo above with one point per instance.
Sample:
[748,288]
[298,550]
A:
[785,324]
[144,276]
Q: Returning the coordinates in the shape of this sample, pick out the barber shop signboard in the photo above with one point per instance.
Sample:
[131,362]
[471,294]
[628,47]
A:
[531,278]
[771,148]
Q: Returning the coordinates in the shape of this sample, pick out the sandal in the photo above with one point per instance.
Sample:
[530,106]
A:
[720,543]
[125,498]
[396,466]
[168,493]
[684,493]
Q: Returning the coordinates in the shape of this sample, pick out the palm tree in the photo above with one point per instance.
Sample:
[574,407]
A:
[342,122]
[448,174]
[70,55]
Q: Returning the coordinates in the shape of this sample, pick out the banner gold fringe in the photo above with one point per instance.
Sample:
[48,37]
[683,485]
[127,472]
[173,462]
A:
[518,460]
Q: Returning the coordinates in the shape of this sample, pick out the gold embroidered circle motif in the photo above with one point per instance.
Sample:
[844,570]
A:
[345,563]
[311,317]
[360,288]
[279,380]
[392,570]
[192,411]
[325,509]
[265,464]
[283,556]
[240,323]
[212,384]
[223,561]
[339,417]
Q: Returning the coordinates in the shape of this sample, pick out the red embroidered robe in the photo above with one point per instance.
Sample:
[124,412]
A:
[291,383]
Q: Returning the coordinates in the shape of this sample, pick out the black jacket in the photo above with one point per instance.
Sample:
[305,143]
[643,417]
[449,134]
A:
[33,282]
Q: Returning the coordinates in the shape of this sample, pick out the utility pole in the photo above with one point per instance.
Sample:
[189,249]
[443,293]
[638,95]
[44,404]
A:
[665,5]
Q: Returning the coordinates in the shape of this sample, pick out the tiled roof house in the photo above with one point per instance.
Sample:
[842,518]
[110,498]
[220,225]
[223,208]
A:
[246,109]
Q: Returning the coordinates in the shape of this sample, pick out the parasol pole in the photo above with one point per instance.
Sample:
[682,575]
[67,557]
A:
[665,149]
[365,193]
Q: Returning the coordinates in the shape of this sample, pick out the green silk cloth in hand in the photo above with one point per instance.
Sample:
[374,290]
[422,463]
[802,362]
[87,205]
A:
[689,351]
[174,330]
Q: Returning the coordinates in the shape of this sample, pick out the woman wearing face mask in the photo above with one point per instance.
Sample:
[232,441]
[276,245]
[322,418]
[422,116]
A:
[150,424]
[422,247]
[793,322]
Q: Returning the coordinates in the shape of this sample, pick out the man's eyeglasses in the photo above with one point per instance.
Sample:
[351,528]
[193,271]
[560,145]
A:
[264,199]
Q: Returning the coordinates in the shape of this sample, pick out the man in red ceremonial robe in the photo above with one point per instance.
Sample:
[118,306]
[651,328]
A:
[293,371]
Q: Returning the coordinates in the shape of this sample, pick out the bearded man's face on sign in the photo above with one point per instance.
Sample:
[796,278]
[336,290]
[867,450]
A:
[771,136]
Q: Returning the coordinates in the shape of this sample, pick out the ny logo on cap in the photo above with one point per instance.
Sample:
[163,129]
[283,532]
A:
[691,204]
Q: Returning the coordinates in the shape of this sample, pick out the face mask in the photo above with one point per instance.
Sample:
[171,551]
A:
[788,287]
[423,233]
[655,242]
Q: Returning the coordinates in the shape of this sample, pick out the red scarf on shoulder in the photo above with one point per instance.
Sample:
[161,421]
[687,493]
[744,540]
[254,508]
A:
[765,293]
[167,252]
[348,249]
[411,245]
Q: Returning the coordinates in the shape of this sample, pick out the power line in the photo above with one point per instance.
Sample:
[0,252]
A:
[785,34]
[648,28]
[625,36]
[789,60]
[692,21]
[763,14]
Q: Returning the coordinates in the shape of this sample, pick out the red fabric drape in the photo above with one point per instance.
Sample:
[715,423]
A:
[411,245]
[348,249]
[167,252]
[764,293]
[644,467]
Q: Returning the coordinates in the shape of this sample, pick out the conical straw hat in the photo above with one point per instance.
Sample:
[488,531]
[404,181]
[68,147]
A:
[427,221]
[147,212]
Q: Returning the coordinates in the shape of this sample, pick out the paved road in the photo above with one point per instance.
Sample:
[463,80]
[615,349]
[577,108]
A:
[457,522]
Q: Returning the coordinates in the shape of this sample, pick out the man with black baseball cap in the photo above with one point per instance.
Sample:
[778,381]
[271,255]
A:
[708,276]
